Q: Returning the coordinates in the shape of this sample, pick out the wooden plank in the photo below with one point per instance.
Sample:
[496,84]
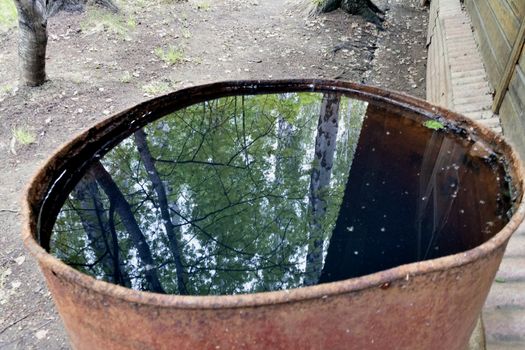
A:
[491,64]
[518,7]
[506,18]
[447,84]
[509,68]
[443,91]
[513,123]
[499,44]
[431,86]
[434,8]
[517,87]
[521,62]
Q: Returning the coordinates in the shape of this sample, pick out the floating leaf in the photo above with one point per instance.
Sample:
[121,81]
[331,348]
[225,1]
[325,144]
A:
[433,124]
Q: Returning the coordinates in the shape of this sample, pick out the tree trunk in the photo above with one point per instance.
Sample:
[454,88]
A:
[325,144]
[153,174]
[32,32]
[365,8]
[123,209]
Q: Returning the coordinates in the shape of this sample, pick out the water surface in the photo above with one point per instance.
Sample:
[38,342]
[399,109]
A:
[268,192]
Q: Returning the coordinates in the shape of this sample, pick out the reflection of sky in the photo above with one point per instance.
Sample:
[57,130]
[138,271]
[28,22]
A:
[136,186]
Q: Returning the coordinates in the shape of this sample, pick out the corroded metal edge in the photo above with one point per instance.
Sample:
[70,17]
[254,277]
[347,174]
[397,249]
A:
[122,124]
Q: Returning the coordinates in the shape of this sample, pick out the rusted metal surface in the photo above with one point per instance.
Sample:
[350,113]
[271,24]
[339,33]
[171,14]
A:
[432,304]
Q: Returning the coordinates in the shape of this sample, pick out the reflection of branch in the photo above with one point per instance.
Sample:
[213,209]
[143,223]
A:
[192,161]
[229,206]
[89,265]
[248,145]
[254,269]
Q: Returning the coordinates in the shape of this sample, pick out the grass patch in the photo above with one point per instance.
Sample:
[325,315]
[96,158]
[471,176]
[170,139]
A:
[6,89]
[170,55]
[186,34]
[8,14]
[204,6]
[156,88]
[126,77]
[160,87]
[23,136]
[100,20]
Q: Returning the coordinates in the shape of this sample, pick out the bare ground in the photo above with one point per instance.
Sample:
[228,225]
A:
[96,70]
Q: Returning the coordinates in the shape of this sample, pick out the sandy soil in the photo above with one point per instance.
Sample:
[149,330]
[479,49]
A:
[99,65]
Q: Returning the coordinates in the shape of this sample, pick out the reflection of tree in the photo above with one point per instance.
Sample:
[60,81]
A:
[220,194]
[325,145]
[125,213]
[147,159]
[100,230]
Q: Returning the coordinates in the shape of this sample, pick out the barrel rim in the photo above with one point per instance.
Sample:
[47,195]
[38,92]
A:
[226,88]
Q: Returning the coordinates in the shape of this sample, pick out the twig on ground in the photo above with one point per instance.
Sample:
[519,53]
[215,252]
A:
[15,322]
[8,211]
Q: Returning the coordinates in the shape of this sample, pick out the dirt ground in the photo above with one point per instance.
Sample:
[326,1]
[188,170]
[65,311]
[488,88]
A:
[100,64]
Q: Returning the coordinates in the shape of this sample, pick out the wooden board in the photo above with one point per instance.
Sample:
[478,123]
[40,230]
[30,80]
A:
[521,61]
[517,88]
[510,68]
[494,71]
[506,19]
[513,122]
[518,7]
[494,33]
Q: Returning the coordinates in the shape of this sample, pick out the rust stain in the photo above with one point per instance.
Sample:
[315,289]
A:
[432,304]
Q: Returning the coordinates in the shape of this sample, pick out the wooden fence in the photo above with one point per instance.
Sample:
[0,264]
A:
[499,26]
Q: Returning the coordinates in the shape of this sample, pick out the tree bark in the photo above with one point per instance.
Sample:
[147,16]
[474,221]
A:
[365,8]
[32,34]
[325,145]
[123,209]
[153,174]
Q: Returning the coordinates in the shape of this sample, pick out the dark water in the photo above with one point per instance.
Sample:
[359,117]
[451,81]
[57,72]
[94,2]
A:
[258,193]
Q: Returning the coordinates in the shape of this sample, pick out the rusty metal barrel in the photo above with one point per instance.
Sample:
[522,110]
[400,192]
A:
[428,304]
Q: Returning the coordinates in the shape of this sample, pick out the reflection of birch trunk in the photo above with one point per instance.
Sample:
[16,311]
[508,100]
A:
[95,224]
[284,141]
[325,144]
[125,213]
[171,230]
[435,204]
